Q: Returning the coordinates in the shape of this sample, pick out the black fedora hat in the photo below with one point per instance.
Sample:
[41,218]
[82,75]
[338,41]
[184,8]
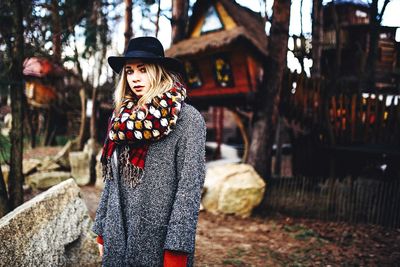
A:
[148,49]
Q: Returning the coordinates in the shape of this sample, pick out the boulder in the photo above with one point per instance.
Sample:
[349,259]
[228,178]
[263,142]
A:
[6,128]
[99,172]
[48,164]
[52,229]
[30,165]
[232,189]
[5,169]
[81,162]
[62,157]
[80,167]
[45,180]
[91,147]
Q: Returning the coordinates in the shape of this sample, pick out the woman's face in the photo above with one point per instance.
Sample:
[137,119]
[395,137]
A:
[137,77]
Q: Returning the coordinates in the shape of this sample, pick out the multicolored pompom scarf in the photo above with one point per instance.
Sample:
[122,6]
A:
[134,128]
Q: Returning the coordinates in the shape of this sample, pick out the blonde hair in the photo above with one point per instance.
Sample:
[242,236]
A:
[160,79]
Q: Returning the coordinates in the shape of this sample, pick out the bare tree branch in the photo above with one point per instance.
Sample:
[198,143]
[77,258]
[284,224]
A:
[383,10]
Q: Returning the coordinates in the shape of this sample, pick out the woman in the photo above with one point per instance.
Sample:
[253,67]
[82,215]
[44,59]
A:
[153,164]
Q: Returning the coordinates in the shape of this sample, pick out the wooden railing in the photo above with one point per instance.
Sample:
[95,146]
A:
[355,118]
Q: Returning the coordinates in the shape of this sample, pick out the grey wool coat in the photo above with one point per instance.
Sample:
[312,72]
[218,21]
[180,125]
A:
[160,213]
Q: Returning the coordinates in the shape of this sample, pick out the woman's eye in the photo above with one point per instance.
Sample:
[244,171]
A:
[129,72]
[143,70]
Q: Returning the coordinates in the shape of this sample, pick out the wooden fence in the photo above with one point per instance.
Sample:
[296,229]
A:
[358,201]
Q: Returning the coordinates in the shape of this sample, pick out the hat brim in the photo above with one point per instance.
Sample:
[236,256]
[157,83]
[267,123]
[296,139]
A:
[171,64]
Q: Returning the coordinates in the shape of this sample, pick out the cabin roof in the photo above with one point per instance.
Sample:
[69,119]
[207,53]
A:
[349,2]
[41,67]
[214,41]
[250,28]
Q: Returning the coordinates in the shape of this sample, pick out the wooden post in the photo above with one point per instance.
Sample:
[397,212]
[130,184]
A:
[243,133]
[278,151]
[353,117]
[220,127]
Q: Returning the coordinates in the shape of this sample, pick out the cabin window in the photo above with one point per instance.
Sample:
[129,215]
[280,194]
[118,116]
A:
[212,22]
[223,71]
[361,14]
[330,38]
[193,74]
[383,36]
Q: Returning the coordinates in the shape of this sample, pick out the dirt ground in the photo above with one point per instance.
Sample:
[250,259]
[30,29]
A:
[284,241]
[277,240]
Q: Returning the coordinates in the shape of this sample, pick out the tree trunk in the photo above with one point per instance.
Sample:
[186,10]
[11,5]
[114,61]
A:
[373,51]
[278,150]
[93,133]
[128,22]
[93,117]
[179,19]
[338,50]
[56,34]
[4,209]
[243,133]
[29,121]
[82,128]
[329,89]
[158,17]
[266,108]
[16,178]
[317,37]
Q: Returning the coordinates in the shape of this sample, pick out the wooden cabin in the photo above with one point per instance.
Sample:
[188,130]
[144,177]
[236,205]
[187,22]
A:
[45,91]
[353,19]
[223,53]
[40,74]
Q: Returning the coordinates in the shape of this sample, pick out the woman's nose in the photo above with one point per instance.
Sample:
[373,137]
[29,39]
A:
[135,77]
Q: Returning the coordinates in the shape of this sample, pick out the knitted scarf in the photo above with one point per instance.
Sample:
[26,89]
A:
[134,128]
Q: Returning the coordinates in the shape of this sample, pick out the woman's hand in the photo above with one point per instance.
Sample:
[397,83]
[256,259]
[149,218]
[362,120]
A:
[100,243]
[101,250]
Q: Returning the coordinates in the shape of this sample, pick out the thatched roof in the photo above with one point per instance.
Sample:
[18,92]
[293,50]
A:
[41,67]
[213,41]
[349,2]
[250,29]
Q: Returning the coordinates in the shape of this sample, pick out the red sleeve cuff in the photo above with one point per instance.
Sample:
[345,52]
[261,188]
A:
[100,240]
[175,258]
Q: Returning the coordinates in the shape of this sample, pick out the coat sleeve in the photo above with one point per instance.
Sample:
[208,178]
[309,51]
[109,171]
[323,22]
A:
[190,162]
[101,210]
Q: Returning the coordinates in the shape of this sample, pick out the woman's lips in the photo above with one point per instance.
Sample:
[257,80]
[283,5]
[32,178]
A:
[138,90]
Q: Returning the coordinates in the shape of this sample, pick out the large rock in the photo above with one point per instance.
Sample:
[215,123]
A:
[48,164]
[5,169]
[99,172]
[232,189]
[82,161]
[62,157]
[45,180]
[80,167]
[52,229]
[91,147]
[30,165]
[6,128]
